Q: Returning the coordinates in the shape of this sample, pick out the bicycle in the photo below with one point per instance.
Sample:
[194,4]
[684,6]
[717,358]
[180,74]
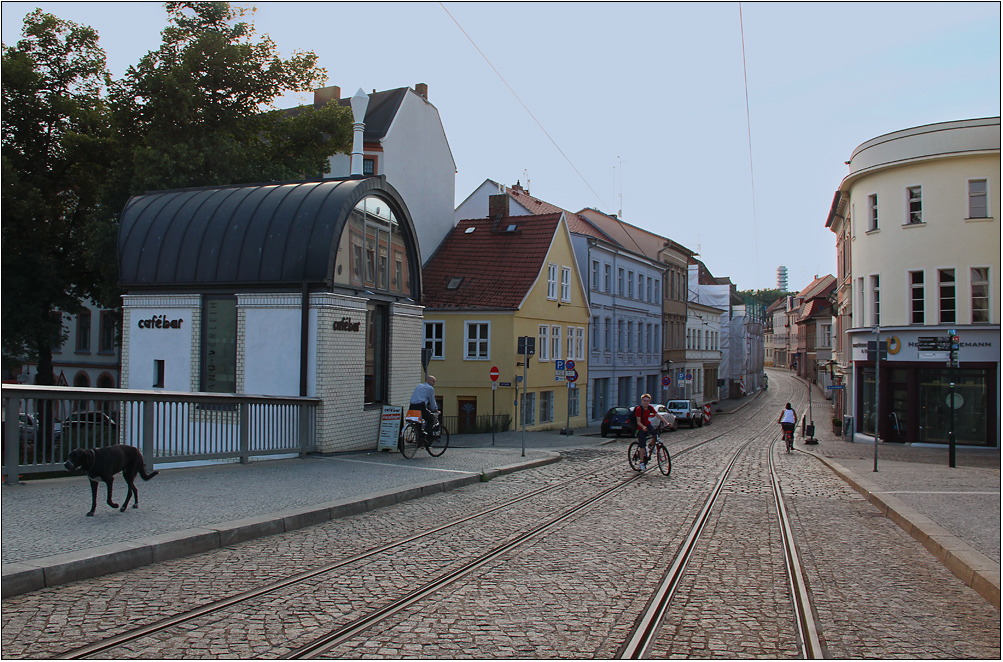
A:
[788,436]
[414,437]
[660,452]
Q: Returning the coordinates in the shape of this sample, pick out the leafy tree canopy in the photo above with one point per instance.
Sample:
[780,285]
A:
[55,145]
[198,111]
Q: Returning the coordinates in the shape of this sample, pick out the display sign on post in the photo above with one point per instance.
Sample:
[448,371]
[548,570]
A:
[390,427]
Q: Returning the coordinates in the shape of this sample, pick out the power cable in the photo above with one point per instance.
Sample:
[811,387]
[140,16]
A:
[748,124]
[525,107]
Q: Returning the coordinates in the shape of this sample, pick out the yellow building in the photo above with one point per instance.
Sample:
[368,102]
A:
[492,281]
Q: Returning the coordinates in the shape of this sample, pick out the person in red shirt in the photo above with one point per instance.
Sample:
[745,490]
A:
[646,420]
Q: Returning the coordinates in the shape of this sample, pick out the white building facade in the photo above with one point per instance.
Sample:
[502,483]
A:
[918,246]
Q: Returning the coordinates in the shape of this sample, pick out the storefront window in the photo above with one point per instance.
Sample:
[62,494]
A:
[867,414]
[219,344]
[377,343]
[970,404]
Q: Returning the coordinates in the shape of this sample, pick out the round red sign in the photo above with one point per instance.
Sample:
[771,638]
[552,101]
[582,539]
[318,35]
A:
[493,373]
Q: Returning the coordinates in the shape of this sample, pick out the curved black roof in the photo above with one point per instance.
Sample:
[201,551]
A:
[246,237]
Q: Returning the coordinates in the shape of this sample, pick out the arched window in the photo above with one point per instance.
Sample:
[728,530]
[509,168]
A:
[372,253]
[81,380]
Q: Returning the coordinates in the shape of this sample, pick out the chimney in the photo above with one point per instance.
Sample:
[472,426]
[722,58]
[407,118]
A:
[498,206]
[325,94]
[421,89]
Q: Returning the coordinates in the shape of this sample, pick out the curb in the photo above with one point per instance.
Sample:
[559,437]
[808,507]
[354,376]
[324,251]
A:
[29,576]
[971,566]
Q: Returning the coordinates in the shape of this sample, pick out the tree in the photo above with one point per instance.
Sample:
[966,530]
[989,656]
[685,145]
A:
[199,110]
[55,135]
[759,300]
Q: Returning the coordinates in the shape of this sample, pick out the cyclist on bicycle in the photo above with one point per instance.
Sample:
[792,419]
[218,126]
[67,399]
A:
[788,420]
[645,413]
[423,399]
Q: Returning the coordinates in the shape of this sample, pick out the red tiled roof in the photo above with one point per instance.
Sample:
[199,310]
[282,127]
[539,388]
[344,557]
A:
[496,268]
[581,225]
[629,236]
[533,205]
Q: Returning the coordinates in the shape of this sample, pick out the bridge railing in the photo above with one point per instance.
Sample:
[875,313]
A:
[43,424]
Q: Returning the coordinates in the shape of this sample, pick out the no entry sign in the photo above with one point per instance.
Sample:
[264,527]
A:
[493,373]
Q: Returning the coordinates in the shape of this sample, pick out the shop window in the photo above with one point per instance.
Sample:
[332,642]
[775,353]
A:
[915,195]
[917,296]
[978,198]
[478,338]
[84,331]
[219,344]
[377,345]
[948,296]
[434,333]
[980,295]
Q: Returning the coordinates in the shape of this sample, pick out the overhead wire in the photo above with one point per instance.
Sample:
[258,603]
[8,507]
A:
[525,107]
[748,124]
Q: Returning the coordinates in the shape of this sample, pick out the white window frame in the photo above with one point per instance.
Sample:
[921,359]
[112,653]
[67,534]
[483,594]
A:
[941,298]
[608,278]
[913,217]
[552,282]
[872,212]
[555,343]
[571,343]
[915,288]
[580,343]
[437,344]
[566,284]
[988,297]
[608,334]
[595,334]
[619,281]
[987,198]
[482,343]
[630,284]
[544,342]
[595,275]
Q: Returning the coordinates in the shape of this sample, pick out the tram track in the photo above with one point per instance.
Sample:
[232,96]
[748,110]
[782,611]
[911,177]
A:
[319,645]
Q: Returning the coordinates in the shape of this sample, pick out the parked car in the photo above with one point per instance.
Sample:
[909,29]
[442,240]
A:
[27,429]
[618,420]
[686,411]
[673,423]
[92,427]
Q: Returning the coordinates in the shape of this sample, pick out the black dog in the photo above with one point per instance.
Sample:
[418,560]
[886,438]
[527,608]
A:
[103,464]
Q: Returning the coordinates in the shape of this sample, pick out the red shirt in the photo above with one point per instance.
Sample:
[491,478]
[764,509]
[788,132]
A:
[645,414]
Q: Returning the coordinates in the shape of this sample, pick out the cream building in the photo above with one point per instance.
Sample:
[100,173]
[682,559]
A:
[918,250]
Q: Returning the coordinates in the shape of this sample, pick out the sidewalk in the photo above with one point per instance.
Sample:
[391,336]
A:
[952,511]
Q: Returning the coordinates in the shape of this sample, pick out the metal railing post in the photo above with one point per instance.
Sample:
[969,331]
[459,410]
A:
[146,443]
[244,430]
[12,435]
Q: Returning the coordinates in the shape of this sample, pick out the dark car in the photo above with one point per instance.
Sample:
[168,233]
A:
[618,420]
[91,428]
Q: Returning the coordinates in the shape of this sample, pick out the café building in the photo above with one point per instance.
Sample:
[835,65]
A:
[307,288]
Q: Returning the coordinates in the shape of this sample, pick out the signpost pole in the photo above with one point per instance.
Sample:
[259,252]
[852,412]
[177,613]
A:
[952,445]
[877,393]
[493,373]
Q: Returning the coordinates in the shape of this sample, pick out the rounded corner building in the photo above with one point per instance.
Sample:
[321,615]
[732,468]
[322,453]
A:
[310,288]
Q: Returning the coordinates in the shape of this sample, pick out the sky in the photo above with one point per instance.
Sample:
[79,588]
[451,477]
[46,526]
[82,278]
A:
[721,126]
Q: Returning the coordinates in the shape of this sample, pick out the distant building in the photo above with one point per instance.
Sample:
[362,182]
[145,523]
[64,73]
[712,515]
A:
[782,278]
[917,225]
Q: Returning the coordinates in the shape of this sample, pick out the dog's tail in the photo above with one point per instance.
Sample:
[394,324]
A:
[144,475]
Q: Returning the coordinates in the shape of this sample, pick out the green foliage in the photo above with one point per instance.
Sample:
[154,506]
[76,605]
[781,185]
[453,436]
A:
[54,153]
[761,299]
[194,112]
[198,111]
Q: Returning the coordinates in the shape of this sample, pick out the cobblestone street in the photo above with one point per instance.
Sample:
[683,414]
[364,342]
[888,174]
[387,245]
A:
[575,590]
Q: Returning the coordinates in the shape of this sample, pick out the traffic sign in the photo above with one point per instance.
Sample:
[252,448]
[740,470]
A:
[666,381]
[558,365]
[573,377]
[493,373]
[689,376]
[569,365]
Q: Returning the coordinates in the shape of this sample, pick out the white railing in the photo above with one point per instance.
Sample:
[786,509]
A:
[43,424]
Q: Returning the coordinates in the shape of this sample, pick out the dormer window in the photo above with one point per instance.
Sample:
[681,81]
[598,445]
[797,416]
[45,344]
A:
[454,283]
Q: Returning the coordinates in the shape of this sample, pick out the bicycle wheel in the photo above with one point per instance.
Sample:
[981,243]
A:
[409,440]
[634,456]
[664,461]
[438,445]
